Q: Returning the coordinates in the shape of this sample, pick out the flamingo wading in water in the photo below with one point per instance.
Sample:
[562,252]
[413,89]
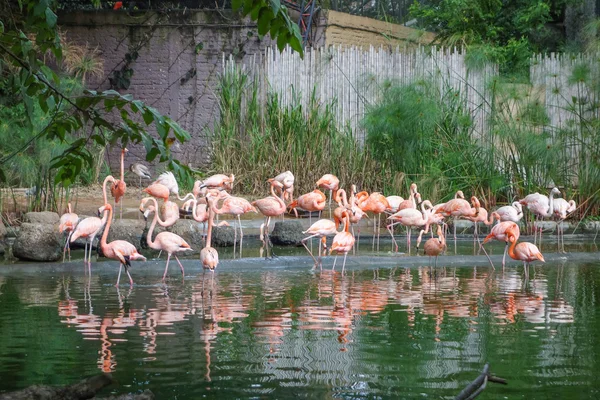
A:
[120,250]
[165,241]
[119,186]
[343,241]
[524,251]
[67,224]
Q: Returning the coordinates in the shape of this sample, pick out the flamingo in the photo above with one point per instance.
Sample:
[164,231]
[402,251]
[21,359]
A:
[524,251]
[235,206]
[409,217]
[459,208]
[376,203]
[165,241]
[67,224]
[394,202]
[312,201]
[499,232]
[168,179]
[89,227]
[219,181]
[287,180]
[321,228]
[158,190]
[199,212]
[271,206]
[119,186]
[209,256]
[561,209]
[482,216]
[343,241]
[434,247]
[120,250]
[140,170]
[431,219]
[331,183]
[513,213]
[541,206]
[410,202]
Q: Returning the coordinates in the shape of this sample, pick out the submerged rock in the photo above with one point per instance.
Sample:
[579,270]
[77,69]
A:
[287,233]
[38,242]
[44,217]
[223,236]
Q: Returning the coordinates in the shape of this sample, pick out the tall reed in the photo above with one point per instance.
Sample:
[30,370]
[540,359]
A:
[257,142]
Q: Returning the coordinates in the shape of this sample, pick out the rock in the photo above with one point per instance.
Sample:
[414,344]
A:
[38,242]
[191,232]
[223,236]
[287,233]
[129,230]
[44,217]
[2,249]
[592,226]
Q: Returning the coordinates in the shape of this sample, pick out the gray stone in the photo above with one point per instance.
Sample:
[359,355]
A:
[129,230]
[44,217]
[287,233]
[38,242]
[223,236]
[592,226]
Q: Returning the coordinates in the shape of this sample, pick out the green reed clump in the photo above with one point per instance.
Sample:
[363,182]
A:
[256,143]
[427,137]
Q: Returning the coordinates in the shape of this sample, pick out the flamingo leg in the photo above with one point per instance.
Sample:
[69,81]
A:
[166,266]
[129,275]
[378,229]
[390,228]
[334,261]
[504,256]
[180,266]
[307,249]
[85,254]
[344,264]
[119,277]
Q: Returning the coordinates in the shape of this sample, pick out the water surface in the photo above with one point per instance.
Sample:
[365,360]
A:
[259,329]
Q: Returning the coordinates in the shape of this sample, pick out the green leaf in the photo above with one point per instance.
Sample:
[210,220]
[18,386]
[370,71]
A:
[264,21]
[248,6]
[275,6]
[282,39]
[295,44]
[151,155]
[50,18]
[275,25]
[255,12]
[235,4]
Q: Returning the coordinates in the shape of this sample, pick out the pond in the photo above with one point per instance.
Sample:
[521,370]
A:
[389,327]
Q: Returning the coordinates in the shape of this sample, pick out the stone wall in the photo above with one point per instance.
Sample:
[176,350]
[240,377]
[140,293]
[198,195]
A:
[180,55]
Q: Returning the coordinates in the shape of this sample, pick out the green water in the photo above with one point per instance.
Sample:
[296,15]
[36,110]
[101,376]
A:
[263,331]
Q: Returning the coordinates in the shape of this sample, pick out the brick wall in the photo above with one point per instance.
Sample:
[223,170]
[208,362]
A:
[180,57]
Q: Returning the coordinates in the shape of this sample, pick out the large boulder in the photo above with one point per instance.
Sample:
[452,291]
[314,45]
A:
[2,231]
[287,233]
[44,217]
[129,230]
[38,242]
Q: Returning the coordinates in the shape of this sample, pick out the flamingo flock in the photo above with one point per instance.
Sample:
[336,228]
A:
[212,197]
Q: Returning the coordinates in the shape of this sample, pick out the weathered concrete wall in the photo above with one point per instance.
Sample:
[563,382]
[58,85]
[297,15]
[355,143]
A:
[351,30]
[180,55]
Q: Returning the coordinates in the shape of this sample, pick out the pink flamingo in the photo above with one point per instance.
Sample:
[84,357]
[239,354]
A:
[312,201]
[434,247]
[524,251]
[343,241]
[219,181]
[235,206]
[321,229]
[499,232]
[209,257]
[394,202]
[199,212]
[513,213]
[165,241]
[431,219]
[120,250]
[410,202]
[458,208]
[541,206]
[409,217]
[482,216]
[561,209]
[271,206]
[331,183]
[287,191]
[119,186]
[158,190]
[89,227]
[377,204]
[168,179]
[67,224]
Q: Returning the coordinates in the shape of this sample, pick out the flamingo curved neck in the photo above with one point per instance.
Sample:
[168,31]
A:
[151,230]
[551,208]
[279,199]
[511,250]
[211,216]
[108,178]
[108,212]
[123,165]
